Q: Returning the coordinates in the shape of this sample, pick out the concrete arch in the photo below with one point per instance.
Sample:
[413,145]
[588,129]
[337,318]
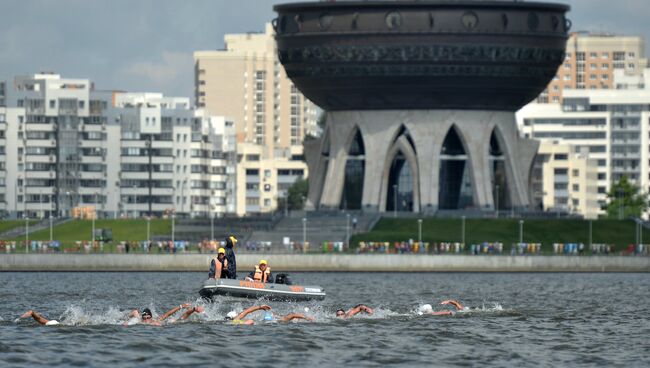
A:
[405,147]
[503,145]
[350,141]
[470,164]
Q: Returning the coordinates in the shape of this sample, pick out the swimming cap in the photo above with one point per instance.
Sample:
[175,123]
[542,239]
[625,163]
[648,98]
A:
[52,323]
[231,315]
[427,308]
[146,311]
[268,316]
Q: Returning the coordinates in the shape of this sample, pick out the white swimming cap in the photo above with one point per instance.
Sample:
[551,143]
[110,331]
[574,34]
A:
[306,309]
[231,314]
[52,323]
[426,308]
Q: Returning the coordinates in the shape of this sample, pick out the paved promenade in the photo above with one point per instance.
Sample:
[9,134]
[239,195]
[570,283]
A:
[326,263]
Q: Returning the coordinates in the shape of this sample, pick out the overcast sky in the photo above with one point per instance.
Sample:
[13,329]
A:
[147,45]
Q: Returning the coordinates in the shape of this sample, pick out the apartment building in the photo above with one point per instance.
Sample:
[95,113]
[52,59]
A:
[612,126]
[123,155]
[591,60]
[246,81]
[564,180]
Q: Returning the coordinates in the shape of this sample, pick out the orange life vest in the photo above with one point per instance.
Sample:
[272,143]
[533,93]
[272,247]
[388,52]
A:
[258,276]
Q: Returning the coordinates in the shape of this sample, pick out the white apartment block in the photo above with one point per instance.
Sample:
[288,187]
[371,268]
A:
[564,180]
[68,146]
[247,82]
[612,126]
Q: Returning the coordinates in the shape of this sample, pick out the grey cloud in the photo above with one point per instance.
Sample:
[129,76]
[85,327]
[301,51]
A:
[147,45]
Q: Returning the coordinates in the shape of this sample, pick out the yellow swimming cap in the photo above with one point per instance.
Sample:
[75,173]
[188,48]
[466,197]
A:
[221,250]
[263,262]
[233,239]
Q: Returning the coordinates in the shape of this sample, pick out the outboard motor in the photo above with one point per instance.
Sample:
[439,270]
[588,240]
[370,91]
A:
[282,278]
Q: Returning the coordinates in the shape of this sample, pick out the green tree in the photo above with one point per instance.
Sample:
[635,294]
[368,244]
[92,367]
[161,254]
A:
[625,200]
[297,194]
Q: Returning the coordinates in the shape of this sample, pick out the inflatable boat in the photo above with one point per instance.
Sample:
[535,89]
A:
[257,290]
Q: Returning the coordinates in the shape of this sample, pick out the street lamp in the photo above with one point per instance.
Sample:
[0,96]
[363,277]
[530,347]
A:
[51,215]
[420,232]
[92,243]
[135,201]
[26,228]
[211,222]
[347,230]
[148,230]
[394,200]
[590,233]
[173,220]
[463,229]
[521,231]
[497,201]
[304,234]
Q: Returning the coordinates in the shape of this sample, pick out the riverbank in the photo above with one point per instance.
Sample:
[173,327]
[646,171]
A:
[324,263]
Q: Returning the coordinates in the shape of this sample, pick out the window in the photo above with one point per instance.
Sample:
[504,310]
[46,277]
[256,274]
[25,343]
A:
[593,55]
[560,157]
[52,104]
[576,187]
[605,55]
[602,176]
[252,172]
[619,55]
[561,171]
[580,56]
[602,190]
[252,201]
[631,55]
[575,173]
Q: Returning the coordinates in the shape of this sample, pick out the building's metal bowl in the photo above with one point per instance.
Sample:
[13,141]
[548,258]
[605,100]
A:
[360,55]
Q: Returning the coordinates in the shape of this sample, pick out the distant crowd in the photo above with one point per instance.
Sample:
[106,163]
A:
[403,247]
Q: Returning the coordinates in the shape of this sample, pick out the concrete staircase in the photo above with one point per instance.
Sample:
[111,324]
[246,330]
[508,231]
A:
[320,227]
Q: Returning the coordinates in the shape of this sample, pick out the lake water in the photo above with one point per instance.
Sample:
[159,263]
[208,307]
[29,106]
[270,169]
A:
[515,320]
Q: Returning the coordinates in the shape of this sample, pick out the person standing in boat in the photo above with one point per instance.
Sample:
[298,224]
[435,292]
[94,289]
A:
[262,273]
[231,241]
[219,266]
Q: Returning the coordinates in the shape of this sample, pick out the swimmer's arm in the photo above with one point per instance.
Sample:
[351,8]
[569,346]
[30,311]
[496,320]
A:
[251,310]
[443,313]
[455,303]
[359,308]
[172,311]
[36,316]
[189,312]
[292,316]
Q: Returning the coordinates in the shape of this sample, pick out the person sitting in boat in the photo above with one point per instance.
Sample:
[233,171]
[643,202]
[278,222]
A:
[238,319]
[219,266]
[262,273]
[146,317]
[428,309]
[341,313]
[231,241]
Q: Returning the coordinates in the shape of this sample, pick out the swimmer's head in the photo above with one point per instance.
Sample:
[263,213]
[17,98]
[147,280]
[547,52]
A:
[340,313]
[231,315]
[426,308]
[306,309]
[268,316]
[146,314]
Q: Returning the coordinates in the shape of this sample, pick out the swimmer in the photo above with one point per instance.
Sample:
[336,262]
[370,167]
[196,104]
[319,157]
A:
[147,318]
[354,311]
[39,318]
[238,319]
[428,309]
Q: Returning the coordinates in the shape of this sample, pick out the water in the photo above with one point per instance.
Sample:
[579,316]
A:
[518,320]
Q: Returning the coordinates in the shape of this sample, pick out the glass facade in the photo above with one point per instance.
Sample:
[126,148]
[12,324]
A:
[400,185]
[354,173]
[454,178]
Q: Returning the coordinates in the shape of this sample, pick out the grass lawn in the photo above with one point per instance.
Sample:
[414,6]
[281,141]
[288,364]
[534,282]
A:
[127,230]
[547,231]
[6,225]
